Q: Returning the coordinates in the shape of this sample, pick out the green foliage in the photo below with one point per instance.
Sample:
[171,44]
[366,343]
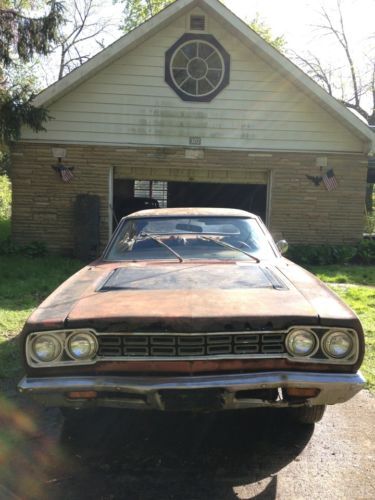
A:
[24,283]
[137,12]
[5,197]
[343,274]
[32,249]
[362,300]
[260,27]
[22,37]
[4,229]
[16,110]
[363,253]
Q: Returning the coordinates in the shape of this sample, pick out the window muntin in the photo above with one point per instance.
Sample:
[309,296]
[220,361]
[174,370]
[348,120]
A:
[185,235]
[197,68]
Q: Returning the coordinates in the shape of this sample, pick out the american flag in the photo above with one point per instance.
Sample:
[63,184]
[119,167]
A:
[65,173]
[330,180]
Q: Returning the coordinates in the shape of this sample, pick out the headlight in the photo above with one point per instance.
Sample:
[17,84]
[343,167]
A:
[338,344]
[82,345]
[301,342]
[46,348]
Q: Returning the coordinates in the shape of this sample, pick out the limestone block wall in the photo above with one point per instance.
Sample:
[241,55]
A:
[298,210]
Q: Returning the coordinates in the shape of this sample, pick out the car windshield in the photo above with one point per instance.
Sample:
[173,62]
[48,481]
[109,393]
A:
[186,238]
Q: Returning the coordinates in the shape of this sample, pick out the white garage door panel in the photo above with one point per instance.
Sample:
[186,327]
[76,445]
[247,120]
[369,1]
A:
[232,176]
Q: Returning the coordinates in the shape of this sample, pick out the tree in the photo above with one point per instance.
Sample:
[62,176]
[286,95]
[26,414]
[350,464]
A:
[21,38]
[351,84]
[83,25]
[260,27]
[137,12]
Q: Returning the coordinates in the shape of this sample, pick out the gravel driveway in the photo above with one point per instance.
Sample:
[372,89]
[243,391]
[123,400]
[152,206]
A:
[140,456]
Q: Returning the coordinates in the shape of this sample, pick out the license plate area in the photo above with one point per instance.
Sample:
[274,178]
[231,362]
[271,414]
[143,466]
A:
[192,400]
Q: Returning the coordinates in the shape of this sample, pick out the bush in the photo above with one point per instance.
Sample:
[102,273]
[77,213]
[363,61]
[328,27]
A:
[5,197]
[363,253]
[33,249]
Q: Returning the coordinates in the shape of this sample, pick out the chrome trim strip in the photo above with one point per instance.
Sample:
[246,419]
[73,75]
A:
[334,388]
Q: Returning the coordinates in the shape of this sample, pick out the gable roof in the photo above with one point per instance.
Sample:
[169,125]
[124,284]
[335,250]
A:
[240,29]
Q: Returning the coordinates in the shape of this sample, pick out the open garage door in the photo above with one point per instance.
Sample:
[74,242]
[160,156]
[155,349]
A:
[250,197]
[135,189]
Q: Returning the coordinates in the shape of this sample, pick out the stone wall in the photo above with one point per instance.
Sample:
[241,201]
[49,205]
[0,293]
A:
[299,211]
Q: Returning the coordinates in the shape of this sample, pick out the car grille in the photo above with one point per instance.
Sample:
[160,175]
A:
[190,346]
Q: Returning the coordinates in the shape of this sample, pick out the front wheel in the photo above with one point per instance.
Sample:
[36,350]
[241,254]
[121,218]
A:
[308,414]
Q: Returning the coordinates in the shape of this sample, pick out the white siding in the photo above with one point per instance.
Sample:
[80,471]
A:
[129,102]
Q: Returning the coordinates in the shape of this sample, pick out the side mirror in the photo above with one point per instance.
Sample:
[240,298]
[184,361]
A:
[282,246]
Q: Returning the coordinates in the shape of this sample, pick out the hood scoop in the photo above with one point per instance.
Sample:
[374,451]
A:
[192,277]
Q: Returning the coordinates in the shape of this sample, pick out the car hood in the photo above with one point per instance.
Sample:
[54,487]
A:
[194,296]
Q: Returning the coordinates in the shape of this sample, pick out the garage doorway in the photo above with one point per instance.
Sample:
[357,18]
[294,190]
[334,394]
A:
[130,195]
[249,197]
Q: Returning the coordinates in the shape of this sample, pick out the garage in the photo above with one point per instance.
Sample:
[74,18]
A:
[171,116]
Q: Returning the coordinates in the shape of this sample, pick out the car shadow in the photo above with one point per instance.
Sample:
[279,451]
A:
[174,455]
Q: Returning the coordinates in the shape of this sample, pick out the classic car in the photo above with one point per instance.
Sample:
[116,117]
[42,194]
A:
[193,309]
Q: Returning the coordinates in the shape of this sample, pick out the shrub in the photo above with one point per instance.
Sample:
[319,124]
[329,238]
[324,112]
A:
[365,252]
[5,197]
[362,253]
[33,249]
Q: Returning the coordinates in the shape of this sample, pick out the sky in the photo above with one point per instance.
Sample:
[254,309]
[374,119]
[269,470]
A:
[295,19]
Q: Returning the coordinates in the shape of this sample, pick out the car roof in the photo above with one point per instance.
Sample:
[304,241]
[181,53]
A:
[191,212]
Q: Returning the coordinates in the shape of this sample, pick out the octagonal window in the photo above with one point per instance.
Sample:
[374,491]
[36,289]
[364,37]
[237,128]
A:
[197,67]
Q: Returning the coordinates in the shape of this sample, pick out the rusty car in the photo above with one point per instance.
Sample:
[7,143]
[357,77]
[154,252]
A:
[193,309]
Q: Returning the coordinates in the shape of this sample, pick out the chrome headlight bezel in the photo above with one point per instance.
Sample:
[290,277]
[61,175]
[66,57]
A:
[94,346]
[296,331]
[55,339]
[353,350]
[64,359]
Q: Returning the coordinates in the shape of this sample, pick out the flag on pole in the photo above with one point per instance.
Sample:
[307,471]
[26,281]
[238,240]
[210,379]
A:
[330,180]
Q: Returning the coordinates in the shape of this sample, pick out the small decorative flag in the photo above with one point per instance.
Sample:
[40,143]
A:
[65,173]
[330,180]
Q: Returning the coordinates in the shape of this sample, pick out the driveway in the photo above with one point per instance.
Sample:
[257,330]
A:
[140,456]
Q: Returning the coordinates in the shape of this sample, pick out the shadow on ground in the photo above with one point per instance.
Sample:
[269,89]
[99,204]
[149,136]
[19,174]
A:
[114,454]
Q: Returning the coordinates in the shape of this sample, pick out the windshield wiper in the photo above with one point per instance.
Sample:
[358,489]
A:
[154,238]
[228,245]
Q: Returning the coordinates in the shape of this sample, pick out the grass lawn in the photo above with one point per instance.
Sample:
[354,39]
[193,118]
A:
[358,275]
[25,282]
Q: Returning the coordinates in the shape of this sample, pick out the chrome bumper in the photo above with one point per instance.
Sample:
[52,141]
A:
[146,392]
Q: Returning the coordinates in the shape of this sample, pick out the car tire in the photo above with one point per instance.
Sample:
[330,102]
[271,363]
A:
[308,414]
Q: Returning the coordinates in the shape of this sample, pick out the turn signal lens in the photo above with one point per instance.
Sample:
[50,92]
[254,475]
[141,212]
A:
[299,392]
[82,395]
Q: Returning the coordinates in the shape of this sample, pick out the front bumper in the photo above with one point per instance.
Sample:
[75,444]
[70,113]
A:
[234,390]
